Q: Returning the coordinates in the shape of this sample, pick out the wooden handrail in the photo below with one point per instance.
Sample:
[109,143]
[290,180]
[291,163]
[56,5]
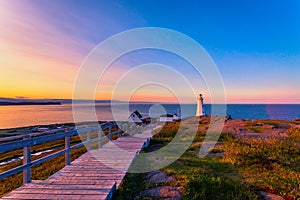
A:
[39,138]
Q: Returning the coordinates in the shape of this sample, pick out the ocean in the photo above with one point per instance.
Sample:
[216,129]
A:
[19,116]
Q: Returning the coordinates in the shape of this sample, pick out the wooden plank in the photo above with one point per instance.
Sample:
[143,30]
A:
[90,173]
[44,185]
[51,191]
[81,182]
[54,196]
[84,179]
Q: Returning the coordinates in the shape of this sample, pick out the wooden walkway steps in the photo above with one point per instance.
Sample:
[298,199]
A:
[94,175]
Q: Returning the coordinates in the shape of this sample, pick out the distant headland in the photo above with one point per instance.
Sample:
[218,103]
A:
[29,103]
[25,101]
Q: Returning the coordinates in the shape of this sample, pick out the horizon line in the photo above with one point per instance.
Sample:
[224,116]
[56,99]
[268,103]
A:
[158,102]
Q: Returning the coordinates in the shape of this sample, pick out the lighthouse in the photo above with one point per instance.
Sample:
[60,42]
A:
[199,111]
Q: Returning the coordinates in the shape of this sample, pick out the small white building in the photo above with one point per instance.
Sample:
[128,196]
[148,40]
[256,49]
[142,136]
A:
[135,117]
[168,118]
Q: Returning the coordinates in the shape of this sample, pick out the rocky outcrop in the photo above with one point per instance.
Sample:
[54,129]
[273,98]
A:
[269,196]
[159,177]
[163,192]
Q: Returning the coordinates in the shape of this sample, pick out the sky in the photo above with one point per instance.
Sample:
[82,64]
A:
[254,44]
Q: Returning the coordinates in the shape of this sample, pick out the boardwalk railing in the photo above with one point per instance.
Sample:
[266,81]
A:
[25,142]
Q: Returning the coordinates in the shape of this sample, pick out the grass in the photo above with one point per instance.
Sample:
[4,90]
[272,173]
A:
[208,186]
[268,164]
[261,126]
[249,165]
[207,178]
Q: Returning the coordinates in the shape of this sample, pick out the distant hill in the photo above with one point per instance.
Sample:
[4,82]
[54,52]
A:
[24,101]
[28,103]
[79,101]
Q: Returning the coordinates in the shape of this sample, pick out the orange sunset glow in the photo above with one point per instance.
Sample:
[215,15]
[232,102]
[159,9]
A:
[41,56]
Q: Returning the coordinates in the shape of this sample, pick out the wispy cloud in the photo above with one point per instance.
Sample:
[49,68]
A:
[43,44]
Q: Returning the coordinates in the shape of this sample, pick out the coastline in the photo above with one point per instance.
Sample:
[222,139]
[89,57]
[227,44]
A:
[253,159]
[249,147]
[239,126]
[33,115]
[28,103]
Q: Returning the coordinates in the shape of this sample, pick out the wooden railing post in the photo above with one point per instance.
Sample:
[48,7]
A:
[27,161]
[67,153]
[100,138]
[89,139]
[110,131]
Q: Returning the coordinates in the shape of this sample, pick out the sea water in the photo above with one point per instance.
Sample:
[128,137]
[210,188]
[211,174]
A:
[19,116]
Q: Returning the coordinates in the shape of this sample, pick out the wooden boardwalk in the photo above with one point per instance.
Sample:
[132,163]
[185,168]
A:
[94,175]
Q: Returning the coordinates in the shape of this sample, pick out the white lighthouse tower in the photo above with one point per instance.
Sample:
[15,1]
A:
[199,111]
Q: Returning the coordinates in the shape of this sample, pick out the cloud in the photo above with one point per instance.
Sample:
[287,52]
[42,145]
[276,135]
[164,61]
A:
[21,97]
[24,30]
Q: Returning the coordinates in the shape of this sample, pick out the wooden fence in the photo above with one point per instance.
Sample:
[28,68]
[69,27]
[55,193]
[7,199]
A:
[26,141]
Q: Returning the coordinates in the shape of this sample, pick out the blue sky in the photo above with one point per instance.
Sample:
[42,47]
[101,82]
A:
[255,44]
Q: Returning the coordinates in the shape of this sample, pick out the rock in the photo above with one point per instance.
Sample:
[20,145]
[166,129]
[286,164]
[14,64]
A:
[269,196]
[159,177]
[150,174]
[259,124]
[267,126]
[297,126]
[163,192]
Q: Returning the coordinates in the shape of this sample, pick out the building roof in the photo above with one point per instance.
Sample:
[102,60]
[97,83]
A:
[166,115]
[137,114]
